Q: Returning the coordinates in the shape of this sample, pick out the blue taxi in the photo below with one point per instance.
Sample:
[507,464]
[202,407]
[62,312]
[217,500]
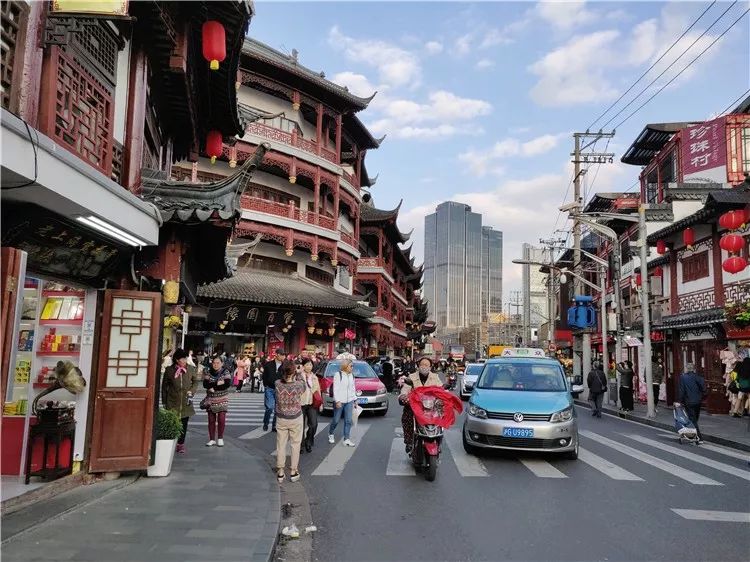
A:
[522,401]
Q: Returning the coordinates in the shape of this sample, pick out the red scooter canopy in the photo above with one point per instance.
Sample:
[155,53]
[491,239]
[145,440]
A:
[444,416]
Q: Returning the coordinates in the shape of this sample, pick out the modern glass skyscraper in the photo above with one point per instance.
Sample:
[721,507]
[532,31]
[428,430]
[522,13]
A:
[462,266]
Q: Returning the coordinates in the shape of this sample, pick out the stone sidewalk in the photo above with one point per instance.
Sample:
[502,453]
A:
[716,428]
[219,504]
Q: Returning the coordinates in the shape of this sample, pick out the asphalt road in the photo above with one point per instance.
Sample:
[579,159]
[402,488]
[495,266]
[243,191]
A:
[618,501]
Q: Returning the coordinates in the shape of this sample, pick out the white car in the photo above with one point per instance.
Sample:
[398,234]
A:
[469,379]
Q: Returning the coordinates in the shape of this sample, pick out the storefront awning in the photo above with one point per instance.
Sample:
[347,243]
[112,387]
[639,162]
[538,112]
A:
[36,170]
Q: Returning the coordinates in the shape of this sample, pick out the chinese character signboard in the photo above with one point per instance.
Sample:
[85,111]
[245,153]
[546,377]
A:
[704,151]
[91,7]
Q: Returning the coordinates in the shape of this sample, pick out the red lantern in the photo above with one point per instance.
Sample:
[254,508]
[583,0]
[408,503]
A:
[658,271]
[688,236]
[661,247]
[213,145]
[214,43]
[732,220]
[734,264]
[732,243]
[638,279]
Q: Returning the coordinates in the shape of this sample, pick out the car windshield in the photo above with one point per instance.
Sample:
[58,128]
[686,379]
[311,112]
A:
[522,375]
[473,370]
[360,369]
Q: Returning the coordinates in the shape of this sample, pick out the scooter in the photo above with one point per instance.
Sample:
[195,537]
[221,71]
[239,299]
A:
[452,381]
[433,412]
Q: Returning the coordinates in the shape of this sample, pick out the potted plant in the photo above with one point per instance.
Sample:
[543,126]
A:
[167,428]
[738,314]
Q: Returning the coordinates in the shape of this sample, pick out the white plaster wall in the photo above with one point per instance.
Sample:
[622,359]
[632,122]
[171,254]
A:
[121,93]
[346,224]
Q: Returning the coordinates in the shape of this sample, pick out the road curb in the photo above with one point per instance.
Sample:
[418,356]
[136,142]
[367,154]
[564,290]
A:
[661,425]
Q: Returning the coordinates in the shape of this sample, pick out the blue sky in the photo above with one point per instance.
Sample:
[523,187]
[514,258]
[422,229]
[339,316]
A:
[479,100]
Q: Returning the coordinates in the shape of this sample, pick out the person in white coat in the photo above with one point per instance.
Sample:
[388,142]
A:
[344,398]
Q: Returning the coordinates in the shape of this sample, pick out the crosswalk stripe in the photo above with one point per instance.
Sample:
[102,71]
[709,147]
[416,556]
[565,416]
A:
[467,465]
[675,470]
[603,465]
[542,468]
[335,461]
[254,434]
[399,463]
[707,515]
[733,470]
[321,427]
[743,456]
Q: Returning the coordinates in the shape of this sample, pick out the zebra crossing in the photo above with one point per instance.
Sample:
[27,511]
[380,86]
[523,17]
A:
[245,410]
[606,461]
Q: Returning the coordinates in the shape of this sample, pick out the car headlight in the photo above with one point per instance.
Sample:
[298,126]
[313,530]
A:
[381,390]
[477,412]
[562,415]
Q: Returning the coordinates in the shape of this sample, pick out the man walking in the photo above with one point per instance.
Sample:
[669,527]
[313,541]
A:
[271,373]
[692,389]
[657,376]
[597,383]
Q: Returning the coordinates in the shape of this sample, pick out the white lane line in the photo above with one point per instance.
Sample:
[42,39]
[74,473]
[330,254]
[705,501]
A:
[335,461]
[254,434]
[706,515]
[321,427]
[467,465]
[603,465]
[399,431]
[542,469]
[678,471]
[743,456]
[729,469]
[399,463]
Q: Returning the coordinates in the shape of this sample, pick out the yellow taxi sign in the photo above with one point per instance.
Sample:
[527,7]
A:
[523,352]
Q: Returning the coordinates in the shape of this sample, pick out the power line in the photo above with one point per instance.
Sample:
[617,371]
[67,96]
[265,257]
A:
[665,53]
[729,107]
[684,69]
[663,72]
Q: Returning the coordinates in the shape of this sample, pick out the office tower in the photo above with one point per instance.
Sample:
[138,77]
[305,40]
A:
[535,300]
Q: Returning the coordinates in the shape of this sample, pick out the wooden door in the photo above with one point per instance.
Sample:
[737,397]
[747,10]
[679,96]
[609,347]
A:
[10,266]
[125,382]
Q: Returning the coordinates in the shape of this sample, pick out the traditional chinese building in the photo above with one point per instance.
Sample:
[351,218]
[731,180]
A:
[389,280]
[96,107]
[300,213]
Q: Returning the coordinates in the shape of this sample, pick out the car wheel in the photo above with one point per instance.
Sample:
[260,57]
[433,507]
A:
[468,447]
[572,455]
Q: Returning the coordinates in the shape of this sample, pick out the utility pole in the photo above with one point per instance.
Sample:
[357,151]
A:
[551,244]
[580,158]
[642,246]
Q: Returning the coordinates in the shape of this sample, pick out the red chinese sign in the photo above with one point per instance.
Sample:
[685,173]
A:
[704,147]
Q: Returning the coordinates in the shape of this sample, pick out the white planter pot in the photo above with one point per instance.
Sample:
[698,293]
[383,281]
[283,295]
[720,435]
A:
[163,457]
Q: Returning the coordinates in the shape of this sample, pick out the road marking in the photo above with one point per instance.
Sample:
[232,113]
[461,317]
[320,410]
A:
[706,515]
[678,471]
[399,431]
[729,469]
[399,464]
[467,465]
[335,461]
[603,465]
[321,427]
[542,469]
[254,434]
[725,451]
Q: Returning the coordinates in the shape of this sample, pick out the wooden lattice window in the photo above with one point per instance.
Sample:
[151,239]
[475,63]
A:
[117,161]
[695,267]
[14,17]
[319,276]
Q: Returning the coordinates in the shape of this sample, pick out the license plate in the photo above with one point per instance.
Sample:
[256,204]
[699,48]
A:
[518,432]
[363,400]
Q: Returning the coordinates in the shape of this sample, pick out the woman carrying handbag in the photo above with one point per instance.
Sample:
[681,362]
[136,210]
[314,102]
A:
[311,402]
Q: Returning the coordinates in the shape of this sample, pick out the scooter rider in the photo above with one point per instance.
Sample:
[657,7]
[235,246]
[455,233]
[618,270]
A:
[423,377]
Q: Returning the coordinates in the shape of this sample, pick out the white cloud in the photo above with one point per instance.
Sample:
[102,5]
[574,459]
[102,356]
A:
[395,66]
[495,37]
[443,114]
[484,63]
[462,45]
[565,14]
[433,47]
[485,162]
[358,84]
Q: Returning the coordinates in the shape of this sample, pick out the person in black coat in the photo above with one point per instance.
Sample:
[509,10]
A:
[272,373]
[597,383]
[626,385]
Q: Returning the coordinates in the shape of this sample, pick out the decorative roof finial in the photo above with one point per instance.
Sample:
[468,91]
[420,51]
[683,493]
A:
[295,56]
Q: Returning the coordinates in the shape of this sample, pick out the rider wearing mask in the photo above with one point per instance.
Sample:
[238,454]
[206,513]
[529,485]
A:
[423,377]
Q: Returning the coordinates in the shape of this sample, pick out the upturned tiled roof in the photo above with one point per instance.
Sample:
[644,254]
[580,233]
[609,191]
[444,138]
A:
[274,288]
[692,319]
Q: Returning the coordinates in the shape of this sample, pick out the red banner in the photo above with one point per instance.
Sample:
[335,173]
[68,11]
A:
[704,146]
